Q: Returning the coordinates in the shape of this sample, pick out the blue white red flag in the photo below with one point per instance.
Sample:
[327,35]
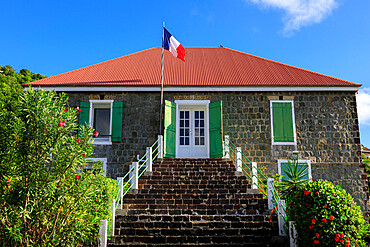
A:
[171,44]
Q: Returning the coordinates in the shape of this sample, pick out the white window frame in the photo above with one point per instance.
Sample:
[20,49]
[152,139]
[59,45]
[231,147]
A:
[272,123]
[299,161]
[101,140]
[103,160]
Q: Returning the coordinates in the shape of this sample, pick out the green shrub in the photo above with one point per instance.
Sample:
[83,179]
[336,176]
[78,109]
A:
[45,198]
[325,215]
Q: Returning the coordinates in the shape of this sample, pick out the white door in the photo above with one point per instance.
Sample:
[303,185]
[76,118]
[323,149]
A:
[192,134]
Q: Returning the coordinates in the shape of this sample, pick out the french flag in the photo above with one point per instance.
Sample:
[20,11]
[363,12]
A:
[171,44]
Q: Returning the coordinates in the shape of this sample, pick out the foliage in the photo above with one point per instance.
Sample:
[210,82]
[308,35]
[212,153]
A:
[7,74]
[294,180]
[45,198]
[326,215]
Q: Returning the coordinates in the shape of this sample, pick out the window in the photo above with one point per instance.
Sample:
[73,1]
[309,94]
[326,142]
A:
[283,164]
[282,122]
[92,161]
[101,120]
[105,116]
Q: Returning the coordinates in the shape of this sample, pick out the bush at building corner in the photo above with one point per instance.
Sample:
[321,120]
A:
[326,215]
[47,198]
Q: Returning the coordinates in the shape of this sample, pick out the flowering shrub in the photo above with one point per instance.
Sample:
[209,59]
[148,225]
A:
[325,215]
[45,199]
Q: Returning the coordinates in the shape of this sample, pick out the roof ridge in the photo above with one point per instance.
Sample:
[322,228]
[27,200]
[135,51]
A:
[291,66]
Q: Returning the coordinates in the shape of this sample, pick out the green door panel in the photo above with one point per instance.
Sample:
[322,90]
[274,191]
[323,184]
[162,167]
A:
[169,146]
[117,116]
[215,129]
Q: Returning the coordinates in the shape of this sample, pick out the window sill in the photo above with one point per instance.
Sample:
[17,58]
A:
[100,142]
[284,143]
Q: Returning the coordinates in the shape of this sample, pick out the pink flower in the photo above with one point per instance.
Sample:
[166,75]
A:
[96,199]
[324,220]
[306,192]
[78,139]
[77,176]
[78,109]
[316,241]
[87,164]
[62,123]
[331,217]
[96,134]
[65,110]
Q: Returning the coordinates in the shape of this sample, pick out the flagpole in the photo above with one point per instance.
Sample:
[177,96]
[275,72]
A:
[161,111]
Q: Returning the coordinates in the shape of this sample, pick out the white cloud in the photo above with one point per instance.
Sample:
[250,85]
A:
[363,106]
[300,13]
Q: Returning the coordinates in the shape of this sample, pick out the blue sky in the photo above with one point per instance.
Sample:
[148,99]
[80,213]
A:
[327,36]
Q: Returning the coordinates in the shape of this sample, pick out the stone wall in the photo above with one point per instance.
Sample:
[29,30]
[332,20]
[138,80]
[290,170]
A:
[326,126]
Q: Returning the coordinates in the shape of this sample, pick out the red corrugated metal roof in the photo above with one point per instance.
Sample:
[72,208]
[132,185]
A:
[215,66]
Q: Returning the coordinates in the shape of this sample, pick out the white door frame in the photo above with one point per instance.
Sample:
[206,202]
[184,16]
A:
[201,103]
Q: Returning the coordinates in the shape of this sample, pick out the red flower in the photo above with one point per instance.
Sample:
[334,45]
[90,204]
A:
[65,110]
[290,203]
[331,217]
[342,240]
[310,227]
[324,220]
[317,235]
[342,235]
[77,176]
[320,225]
[336,238]
[62,123]
[347,238]
[84,154]
[96,134]
[316,241]
[333,194]
[87,164]
[78,109]
[296,216]
[96,199]
[306,192]
[325,206]
[313,221]
[78,139]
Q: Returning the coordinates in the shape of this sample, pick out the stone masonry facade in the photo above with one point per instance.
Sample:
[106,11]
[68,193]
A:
[327,131]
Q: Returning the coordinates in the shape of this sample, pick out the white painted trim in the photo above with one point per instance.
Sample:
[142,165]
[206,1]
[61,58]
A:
[195,89]
[103,160]
[92,102]
[272,124]
[299,162]
[200,103]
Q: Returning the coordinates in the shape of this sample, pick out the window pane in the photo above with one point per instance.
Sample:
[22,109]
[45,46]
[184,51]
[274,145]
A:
[196,114]
[186,123]
[201,132]
[201,123]
[202,114]
[186,132]
[182,123]
[196,132]
[187,114]
[181,132]
[182,141]
[181,114]
[201,140]
[102,121]
[196,140]
[196,123]
[186,140]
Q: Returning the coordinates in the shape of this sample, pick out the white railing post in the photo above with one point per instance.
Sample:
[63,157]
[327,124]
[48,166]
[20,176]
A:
[120,192]
[292,234]
[160,147]
[149,160]
[226,148]
[238,159]
[270,193]
[281,217]
[254,176]
[103,233]
[113,216]
[135,179]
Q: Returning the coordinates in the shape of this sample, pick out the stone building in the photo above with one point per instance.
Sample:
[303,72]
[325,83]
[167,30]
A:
[269,109]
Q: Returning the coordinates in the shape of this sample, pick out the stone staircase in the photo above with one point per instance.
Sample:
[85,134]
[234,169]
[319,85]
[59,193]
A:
[194,202]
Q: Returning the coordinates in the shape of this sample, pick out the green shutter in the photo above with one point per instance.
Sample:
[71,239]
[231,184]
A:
[282,122]
[117,116]
[84,116]
[169,146]
[215,129]
[284,166]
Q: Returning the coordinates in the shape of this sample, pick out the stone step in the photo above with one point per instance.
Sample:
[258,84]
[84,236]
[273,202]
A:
[192,201]
[226,190]
[192,187]
[195,182]
[190,218]
[193,195]
[251,210]
[194,177]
